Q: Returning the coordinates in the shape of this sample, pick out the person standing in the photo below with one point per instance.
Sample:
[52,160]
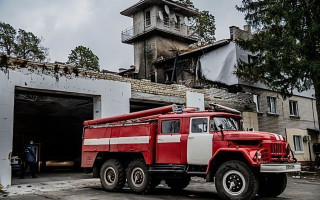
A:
[30,160]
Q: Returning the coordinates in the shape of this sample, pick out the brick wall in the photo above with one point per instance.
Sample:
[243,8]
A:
[307,114]
[241,101]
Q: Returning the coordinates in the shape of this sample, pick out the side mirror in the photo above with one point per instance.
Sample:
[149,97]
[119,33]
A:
[241,125]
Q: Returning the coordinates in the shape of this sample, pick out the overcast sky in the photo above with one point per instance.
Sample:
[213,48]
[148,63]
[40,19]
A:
[97,24]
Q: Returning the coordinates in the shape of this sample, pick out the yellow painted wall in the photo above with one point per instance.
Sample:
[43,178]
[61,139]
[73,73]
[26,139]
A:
[250,120]
[305,155]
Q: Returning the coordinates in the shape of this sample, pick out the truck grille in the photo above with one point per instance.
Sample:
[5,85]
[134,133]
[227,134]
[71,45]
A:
[278,149]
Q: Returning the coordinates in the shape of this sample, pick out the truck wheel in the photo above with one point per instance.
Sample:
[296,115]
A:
[272,185]
[235,180]
[178,183]
[138,177]
[112,175]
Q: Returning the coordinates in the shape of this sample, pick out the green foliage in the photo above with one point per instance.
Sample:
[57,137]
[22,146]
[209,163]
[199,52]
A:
[7,38]
[83,57]
[28,46]
[23,45]
[202,26]
[186,3]
[286,44]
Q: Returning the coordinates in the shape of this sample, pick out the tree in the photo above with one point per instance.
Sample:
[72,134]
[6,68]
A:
[286,45]
[83,57]
[28,46]
[7,38]
[202,26]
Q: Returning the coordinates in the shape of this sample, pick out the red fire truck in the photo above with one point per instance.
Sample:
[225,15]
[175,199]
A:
[175,144]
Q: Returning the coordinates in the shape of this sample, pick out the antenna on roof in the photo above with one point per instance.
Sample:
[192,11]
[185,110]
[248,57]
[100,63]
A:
[161,15]
[167,9]
[186,21]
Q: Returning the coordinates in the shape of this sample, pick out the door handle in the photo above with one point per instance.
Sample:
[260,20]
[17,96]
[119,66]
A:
[191,138]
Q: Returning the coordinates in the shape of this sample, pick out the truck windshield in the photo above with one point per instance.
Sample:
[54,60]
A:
[227,123]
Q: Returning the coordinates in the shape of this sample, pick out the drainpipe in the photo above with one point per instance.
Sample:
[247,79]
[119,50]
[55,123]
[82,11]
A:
[145,45]
[310,154]
[174,66]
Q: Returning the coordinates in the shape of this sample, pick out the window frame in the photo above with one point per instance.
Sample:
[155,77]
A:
[208,125]
[165,120]
[301,150]
[148,21]
[269,105]
[177,25]
[257,102]
[291,108]
[166,19]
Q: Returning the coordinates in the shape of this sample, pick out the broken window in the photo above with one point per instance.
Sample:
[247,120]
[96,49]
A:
[256,100]
[148,18]
[166,19]
[177,24]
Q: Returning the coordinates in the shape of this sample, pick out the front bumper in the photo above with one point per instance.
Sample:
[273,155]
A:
[280,168]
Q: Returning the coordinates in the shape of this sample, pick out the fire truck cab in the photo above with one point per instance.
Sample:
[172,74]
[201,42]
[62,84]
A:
[174,145]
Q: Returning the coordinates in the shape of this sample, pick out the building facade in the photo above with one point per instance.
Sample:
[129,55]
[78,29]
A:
[214,65]
[159,30]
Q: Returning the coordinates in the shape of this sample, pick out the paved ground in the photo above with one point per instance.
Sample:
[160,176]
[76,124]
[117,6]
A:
[90,189]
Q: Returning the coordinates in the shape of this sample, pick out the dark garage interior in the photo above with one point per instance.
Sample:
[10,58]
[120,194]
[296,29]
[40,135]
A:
[55,123]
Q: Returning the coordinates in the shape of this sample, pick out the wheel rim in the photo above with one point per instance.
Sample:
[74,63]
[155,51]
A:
[110,176]
[137,177]
[233,182]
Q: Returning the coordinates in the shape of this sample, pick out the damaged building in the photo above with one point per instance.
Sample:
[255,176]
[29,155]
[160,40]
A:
[161,38]
[214,65]
[48,102]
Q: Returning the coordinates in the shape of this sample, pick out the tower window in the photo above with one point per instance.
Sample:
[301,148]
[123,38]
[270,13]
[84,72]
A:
[177,25]
[148,18]
[166,19]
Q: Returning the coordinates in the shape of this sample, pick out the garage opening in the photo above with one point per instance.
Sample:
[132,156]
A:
[55,123]
[140,105]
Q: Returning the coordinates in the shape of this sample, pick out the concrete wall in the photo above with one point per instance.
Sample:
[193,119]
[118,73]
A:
[150,50]
[110,98]
[140,28]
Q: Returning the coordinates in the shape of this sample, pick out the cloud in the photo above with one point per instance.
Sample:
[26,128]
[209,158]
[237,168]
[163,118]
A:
[97,24]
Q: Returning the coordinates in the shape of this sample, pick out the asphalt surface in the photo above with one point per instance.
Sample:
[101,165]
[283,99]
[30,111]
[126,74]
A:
[296,189]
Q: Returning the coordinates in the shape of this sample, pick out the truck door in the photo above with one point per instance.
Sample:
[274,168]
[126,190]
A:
[168,142]
[199,148]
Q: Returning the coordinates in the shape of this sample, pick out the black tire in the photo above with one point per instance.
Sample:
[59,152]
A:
[139,178]
[235,180]
[112,175]
[178,183]
[272,185]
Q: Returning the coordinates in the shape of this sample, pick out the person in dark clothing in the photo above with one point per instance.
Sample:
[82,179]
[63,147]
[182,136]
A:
[30,160]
